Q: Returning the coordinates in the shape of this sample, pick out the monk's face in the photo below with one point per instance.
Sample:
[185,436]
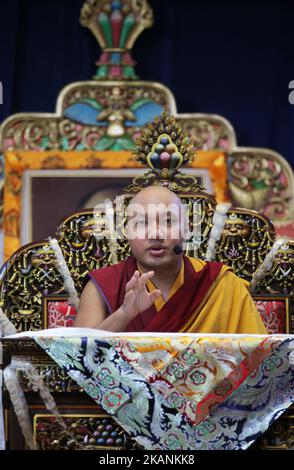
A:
[155,226]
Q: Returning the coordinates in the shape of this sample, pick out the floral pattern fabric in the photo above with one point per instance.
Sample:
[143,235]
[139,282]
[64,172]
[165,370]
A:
[273,314]
[60,314]
[184,391]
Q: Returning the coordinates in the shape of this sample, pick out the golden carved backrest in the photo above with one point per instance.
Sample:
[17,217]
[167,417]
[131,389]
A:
[239,237]
[32,272]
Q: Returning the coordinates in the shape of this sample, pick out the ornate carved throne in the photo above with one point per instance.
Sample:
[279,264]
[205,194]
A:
[32,282]
[108,114]
[246,238]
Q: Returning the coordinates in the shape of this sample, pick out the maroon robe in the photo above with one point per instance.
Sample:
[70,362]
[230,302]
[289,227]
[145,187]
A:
[111,283]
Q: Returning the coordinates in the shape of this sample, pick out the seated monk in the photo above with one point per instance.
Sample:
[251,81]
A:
[161,290]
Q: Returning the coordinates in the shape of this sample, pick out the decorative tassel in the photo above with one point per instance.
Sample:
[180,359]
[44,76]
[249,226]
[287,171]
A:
[104,215]
[6,329]
[267,263]
[218,222]
[64,271]
[18,398]
[20,405]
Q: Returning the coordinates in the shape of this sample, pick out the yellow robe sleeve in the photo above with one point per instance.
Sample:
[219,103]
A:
[242,315]
[227,308]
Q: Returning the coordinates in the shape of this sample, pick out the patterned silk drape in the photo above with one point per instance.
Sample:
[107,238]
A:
[183,391]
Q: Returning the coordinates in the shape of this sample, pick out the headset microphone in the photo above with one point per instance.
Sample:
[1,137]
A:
[178,249]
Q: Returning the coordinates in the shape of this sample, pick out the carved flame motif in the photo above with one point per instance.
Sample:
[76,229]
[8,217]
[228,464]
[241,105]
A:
[164,147]
[247,238]
[116,25]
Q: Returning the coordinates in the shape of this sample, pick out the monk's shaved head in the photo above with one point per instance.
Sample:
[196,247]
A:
[155,195]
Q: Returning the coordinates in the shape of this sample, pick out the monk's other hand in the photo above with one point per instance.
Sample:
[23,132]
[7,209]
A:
[137,298]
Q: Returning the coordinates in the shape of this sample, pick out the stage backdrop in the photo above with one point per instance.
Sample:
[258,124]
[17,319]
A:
[231,58]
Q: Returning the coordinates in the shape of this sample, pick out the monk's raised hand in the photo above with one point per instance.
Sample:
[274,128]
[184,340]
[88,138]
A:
[137,298]
[133,281]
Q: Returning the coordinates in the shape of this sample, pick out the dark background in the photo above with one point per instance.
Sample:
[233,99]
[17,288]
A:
[231,58]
